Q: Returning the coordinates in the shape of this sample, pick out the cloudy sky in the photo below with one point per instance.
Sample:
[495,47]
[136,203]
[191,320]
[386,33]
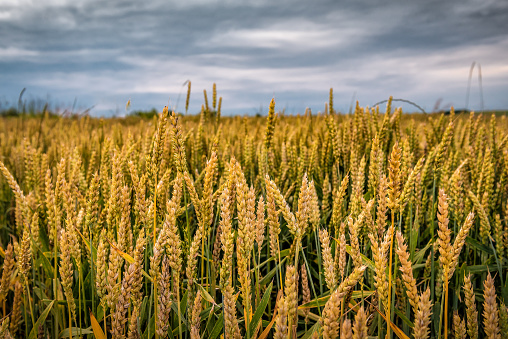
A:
[103,53]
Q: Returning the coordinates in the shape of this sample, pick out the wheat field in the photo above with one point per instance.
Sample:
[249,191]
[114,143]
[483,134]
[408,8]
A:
[322,225]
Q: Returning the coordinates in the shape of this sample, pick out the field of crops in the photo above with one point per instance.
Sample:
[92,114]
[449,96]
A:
[322,225]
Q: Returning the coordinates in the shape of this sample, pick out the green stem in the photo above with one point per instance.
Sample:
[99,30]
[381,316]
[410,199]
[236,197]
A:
[92,273]
[446,309]
[104,318]
[70,320]
[150,312]
[388,308]
[79,298]
[24,313]
[179,312]
[257,276]
[30,303]
[55,288]
[318,248]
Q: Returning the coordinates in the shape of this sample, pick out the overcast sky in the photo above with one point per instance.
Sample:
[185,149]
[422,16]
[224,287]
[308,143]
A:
[103,53]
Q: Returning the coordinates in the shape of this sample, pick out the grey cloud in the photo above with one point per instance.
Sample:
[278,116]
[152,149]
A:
[295,50]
